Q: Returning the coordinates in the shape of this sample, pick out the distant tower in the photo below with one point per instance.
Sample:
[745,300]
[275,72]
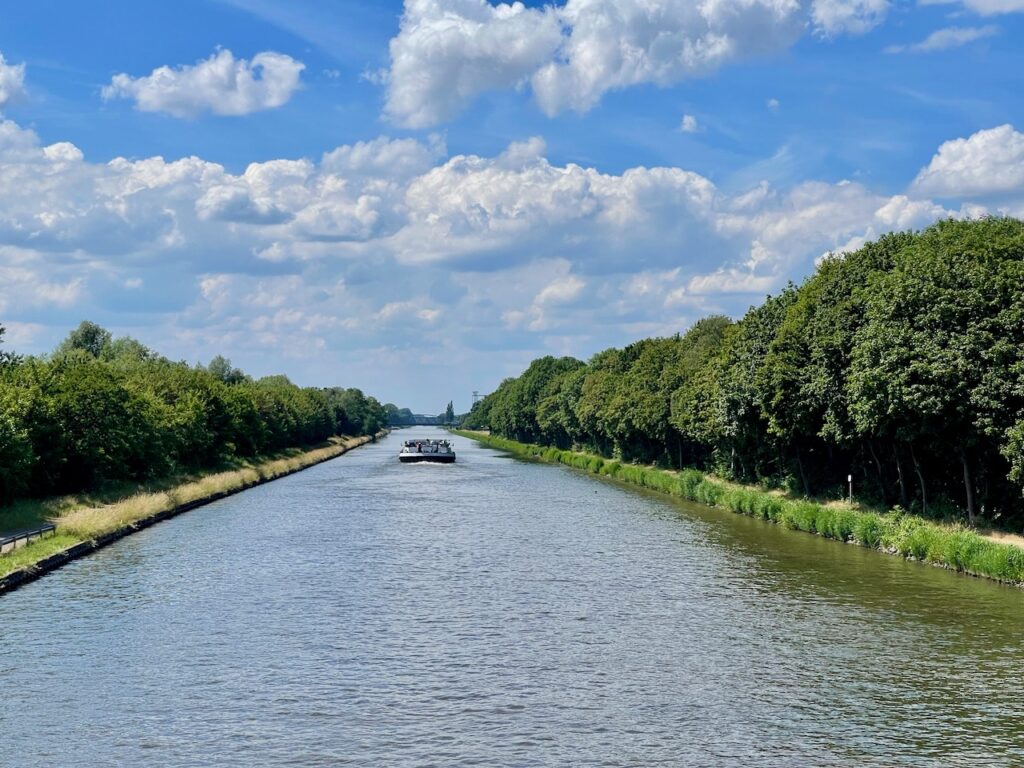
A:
[476,397]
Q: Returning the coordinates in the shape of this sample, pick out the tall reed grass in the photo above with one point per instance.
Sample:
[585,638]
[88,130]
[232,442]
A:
[950,546]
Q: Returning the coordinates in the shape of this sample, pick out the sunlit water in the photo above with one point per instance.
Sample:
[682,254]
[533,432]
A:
[501,613]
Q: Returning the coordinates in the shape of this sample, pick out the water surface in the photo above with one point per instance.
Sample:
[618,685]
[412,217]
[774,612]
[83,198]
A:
[499,612]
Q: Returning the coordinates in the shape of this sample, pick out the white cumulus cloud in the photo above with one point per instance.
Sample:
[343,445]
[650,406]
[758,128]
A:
[448,52]
[518,202]
[220,84]
[612,44]
[988,162]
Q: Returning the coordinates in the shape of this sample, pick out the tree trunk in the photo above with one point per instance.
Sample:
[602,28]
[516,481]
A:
[920,479]
[803,474]
[904,501]
[968,487]
[880,474]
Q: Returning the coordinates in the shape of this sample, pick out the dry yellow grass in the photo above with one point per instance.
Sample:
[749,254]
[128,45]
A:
[91,522]
[1012,539]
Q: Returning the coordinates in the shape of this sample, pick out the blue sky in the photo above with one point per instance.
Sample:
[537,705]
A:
[419,198]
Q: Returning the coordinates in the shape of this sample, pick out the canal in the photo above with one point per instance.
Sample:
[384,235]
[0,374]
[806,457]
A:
[501,613]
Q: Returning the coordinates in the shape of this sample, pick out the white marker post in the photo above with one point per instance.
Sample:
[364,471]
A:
[849,479]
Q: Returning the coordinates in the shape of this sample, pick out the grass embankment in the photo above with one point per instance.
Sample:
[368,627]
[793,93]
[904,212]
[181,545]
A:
[950,546]
[82,519]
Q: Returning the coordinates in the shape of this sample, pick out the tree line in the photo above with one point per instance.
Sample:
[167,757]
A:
[399,417]
[403,417]
[901,363]
[100,409]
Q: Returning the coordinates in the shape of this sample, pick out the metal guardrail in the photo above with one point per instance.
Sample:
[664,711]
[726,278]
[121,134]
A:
[11,543]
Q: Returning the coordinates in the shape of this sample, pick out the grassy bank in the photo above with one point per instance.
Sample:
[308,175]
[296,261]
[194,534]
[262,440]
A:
[81,519]
[954,547]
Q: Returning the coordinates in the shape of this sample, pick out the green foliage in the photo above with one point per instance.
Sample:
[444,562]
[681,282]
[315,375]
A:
[7,359]
[98,429]
[479,416]
[512,409]
[398,417]
[104,410]
[221,369]
[694,412]
[867,530]
[901,364]
[355,413]
[88,338]
[16,456]
[1013,450]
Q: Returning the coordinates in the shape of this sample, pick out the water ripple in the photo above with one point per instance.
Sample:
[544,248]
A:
[500,613]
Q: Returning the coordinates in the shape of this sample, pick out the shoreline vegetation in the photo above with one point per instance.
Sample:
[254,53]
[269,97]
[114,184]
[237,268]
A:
[950,546]
[86,523]
[894,375]
[104,435]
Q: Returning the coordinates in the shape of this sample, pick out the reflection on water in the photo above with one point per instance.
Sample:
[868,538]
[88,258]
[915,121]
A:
[496,612]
